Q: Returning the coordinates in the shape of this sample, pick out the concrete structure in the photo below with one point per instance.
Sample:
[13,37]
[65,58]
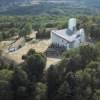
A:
[70,37]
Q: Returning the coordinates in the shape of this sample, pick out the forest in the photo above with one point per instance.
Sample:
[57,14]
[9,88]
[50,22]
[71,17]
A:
[23,25]
[75,77]
[50,7]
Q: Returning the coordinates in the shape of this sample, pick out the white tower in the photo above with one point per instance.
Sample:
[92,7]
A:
[72,24]
[82,33]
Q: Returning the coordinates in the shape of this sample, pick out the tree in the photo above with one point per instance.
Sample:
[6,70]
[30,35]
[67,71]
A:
[26,30]
[86,82]
[19,84]
[5,86]
[94,65]
[52,82]
[95,32]
[40,91]
[98,49]
[6,74]
[35,64]
[5,90]
[75,63]
[88,53]
[64,92]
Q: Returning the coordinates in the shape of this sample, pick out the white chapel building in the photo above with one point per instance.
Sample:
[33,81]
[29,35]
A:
[69,37]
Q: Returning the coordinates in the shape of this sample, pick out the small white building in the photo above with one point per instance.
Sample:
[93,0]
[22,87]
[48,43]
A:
[69,37]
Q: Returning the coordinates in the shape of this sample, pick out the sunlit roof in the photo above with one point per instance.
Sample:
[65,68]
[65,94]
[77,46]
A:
[63,34]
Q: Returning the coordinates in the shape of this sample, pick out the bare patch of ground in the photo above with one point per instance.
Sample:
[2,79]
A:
[38,45]
[51,61]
